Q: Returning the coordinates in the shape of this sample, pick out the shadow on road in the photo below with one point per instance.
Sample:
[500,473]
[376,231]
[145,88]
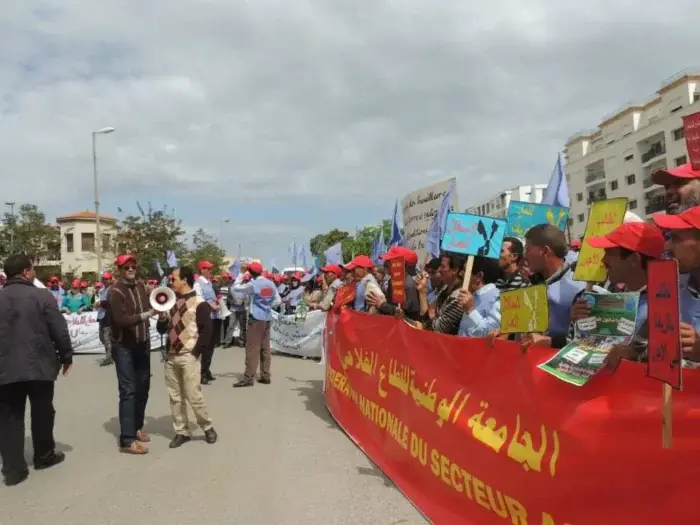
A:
[29,449]
[312,391]
[160,426]
[376,473]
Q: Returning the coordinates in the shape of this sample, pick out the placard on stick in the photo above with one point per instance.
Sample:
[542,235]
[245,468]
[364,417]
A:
[525,215]
[603,217]
[664,336]
[473,235]
[397,271]
[525,310]
[691,130]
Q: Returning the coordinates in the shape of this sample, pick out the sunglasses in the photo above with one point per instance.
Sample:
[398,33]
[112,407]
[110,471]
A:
[128,267]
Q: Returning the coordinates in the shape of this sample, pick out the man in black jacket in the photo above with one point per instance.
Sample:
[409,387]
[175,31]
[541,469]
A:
[34,345]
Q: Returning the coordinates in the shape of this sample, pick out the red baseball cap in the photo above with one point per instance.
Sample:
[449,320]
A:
[123,259]
[689,219]
[255,267]
[205,265]
[409,256]
[638,237]
[576,244]
[75,283]
[333,268]
[98,284]
[107,275]
[84,284]
[666,177]
[53,279]
[361,261]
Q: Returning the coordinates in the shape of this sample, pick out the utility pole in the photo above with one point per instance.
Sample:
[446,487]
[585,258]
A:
[11,205]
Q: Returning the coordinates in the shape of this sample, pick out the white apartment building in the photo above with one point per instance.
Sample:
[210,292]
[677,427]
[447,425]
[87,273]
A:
[498,205]
[78,242]
[617,158]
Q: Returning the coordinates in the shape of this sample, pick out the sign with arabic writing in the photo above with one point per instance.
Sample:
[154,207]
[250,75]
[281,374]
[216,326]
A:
[474,235]
[397,271]
[525,310]
[691,130]
[603,217]
[290,336]
[524,215]
[664,318]
[84,333]
[473,432]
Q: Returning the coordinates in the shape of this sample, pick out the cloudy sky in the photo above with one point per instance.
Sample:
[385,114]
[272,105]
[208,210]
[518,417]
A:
[293,117]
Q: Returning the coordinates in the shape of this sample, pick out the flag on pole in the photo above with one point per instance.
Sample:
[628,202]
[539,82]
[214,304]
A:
[396,237]
[171,259]
[557,192]
[437,228]
[160,271]
[334,254]
[235,268]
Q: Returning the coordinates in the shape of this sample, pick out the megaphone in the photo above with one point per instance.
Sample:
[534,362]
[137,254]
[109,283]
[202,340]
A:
[162,299]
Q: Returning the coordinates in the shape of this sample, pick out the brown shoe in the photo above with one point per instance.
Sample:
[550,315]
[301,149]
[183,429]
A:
[135,448]
[142,437]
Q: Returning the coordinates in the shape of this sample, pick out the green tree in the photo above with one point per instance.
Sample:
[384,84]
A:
[149,236]
[360,243]
[27,232]
[205,247]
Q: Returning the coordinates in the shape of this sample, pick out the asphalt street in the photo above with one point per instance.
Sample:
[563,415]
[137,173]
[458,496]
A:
[280,458]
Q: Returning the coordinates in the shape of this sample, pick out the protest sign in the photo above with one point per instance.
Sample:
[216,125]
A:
[524,215]
[664,319]
[612,321]
[398,280]
[603,217]
[419,207]
[691,130]
[85,333]
[525,310]
[302,338]
[474,235]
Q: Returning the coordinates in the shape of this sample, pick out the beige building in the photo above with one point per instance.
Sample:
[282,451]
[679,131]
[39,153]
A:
[617,158]
[497,206]
[78,242]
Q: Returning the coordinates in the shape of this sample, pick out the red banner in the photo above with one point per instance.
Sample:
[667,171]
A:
[474,434]
[691,130]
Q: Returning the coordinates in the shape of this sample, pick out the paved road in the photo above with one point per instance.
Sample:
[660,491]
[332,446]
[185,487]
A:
[280,459]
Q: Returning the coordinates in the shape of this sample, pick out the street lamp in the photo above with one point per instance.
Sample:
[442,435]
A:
[221,232]
[98,233]
[11,205]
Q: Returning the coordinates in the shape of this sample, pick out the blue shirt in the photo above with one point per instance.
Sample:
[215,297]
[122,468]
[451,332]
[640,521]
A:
[486,315]
[359,304]
[104,292]
[264,297]
[690,309]
[208,294]
[294,296]
[561,291]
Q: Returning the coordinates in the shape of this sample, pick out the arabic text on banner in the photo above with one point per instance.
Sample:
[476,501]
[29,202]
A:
[474,434]
[291,336]
[418,209]
[525,310]
[85,336]
[525,215]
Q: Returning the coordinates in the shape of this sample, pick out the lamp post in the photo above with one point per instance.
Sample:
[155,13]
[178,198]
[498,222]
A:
[98,232]
[11,205]
[221,233]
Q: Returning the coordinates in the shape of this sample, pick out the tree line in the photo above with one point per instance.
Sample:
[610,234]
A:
[359,243]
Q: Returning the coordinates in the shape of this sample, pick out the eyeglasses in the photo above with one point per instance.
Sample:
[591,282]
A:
[129,267]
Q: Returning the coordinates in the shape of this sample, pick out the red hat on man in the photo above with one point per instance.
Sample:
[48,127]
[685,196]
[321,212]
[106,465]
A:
[107,275]
[638,237]
[408,255]
[75,283]
[333,268]
[83,284]
[123,259]
[361,261]
[689,219]
[255,267]
[98,285]
[576,244]
[205,265]
[53,279]
[682,172]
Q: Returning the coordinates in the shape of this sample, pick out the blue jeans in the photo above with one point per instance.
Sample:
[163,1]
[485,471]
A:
[133,365]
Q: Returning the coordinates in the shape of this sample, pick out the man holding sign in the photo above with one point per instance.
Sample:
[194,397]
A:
[410,306]
[480,302]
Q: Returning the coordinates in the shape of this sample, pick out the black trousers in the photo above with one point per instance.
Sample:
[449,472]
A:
[208,354]
[13,404]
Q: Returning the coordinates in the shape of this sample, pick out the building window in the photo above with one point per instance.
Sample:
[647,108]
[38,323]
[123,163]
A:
[579,197]
[696,96]
[87,242]
[69,243]
[613,185]
[630,179]
[571,222]
[680,160]
[106,242]
[678,134]
[632,204]
[580,217]
[677,108]
[629,158]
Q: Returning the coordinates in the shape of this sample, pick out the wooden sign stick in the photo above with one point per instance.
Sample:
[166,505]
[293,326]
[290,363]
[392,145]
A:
[667,415]
[468,272]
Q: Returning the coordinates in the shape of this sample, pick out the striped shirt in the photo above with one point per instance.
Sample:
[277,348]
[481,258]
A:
[449,313]
[513,282]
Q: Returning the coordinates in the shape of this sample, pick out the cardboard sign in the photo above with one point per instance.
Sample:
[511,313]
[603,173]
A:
[604,217]
[398,280]
[524,215]
[525,310]
[691,130]
[474,235]
[664,320]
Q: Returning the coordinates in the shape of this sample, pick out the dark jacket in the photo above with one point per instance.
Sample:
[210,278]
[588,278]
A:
[411,307]
[34,338]
[126,303]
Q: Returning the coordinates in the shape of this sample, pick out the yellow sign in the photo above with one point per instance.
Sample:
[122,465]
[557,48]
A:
[525,310]
[603,218]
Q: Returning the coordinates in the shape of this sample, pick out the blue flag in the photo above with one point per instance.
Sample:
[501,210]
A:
[396,237]
[334,254]
[171,259]
[235,268]
[160,271]
[301,256]
[437,227]
[557,192]
[378,246]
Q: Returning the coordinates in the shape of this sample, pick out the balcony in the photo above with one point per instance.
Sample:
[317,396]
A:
[655,205]
[656,149]
[595,176]
[596,196]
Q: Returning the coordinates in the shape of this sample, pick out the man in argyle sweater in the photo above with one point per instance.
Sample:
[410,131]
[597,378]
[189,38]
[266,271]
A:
[189,328]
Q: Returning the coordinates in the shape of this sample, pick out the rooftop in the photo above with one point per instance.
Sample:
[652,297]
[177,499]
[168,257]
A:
[84,216]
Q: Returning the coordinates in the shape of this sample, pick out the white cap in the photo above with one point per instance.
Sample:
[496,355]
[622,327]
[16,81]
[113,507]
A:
[631,217]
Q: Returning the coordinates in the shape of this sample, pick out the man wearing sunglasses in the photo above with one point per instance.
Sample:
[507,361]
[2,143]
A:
[129,310]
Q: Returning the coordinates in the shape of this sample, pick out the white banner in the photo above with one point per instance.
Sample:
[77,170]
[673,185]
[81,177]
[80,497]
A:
[84,333]
[297,338]
[419,207]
